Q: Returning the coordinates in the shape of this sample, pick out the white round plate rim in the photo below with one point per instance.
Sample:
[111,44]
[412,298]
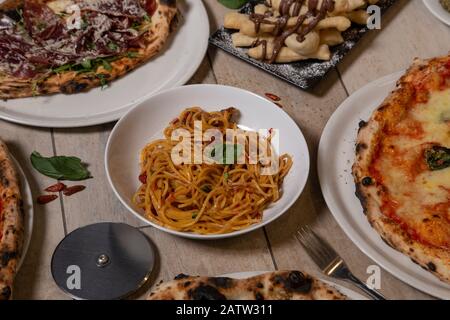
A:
[197,54]
[438,11]
[353,295]
[28,206]
[207,88]
[413,273]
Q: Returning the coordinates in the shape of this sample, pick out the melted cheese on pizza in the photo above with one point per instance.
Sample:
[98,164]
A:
[416,197]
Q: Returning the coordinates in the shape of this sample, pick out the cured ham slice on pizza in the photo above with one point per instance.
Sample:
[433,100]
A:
[70,46]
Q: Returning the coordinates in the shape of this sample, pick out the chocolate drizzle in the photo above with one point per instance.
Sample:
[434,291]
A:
[262,43]
[288,9]
[258,19]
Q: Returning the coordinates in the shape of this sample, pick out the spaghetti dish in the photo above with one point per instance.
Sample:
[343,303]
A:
[206,198]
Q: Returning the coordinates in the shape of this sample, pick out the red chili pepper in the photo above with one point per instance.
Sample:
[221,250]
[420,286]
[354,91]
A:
[272,97]
[72,190]
[279,105]
[143,178]
[44,199]
[56,187]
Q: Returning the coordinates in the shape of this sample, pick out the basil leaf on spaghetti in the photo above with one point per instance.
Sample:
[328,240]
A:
[205,197]
[226,153]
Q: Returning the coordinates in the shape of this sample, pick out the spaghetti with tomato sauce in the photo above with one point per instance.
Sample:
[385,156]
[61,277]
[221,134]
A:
[205,198]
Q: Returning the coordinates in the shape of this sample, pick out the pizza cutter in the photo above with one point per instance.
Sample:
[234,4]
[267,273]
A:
[103,261]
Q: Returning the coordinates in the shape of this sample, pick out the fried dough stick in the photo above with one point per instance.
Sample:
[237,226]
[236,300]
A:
[242,22]
[287,55]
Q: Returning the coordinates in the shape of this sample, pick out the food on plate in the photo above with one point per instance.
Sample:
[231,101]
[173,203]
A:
[445,4]
[210,196]
[11,223]
[283,31]
[69,46]
[402,166]
[278,285]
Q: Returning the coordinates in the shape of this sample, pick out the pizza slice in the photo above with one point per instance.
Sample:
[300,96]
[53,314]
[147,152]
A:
[278,285]
[70,46]
[11,223]
[402,166]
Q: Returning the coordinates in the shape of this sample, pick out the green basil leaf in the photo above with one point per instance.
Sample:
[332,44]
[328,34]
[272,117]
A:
[226,153]
[437,158]
[132,54]
[84,24]
[233,4]
[60,167]
[206,188]
[63,68]
[106,65]
[103,82]
[86,63]
[112,46]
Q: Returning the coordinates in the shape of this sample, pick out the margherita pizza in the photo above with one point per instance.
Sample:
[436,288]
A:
[278,285]
[402,167]
[11,223]
[69,46]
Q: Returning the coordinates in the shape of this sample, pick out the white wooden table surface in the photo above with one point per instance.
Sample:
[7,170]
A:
[408,31]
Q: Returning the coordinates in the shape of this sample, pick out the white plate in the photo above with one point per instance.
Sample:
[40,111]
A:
[146,122]
[174,66]
[438,11]
[335,159]
[27,198]
[349,293]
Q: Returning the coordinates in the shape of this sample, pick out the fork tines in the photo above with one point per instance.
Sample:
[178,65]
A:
[320,251]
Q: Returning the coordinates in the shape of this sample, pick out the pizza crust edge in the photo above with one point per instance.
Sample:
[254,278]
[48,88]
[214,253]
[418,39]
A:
[71,82]
[13,229]
[277,285]
[434,260]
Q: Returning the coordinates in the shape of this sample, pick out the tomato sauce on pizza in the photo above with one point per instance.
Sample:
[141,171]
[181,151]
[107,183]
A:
[402,168]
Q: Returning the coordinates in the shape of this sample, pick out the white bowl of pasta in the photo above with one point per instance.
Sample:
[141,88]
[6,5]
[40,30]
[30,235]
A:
[207,161]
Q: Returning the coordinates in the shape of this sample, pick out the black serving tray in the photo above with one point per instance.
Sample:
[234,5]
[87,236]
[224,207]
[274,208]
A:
[303,74]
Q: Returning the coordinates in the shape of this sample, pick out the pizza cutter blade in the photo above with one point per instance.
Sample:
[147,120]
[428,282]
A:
[103,261]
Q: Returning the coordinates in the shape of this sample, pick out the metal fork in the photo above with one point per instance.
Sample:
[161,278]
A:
[329,261]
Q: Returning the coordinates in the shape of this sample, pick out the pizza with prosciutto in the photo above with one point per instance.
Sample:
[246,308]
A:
[11,223]
[69,46]
[402,167]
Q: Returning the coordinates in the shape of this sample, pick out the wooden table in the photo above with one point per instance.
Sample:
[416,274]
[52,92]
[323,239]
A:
[408,31]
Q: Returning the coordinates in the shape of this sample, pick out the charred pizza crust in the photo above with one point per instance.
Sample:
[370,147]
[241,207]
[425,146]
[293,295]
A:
[70,82]
[423,74]
[11,223]
[279,285]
